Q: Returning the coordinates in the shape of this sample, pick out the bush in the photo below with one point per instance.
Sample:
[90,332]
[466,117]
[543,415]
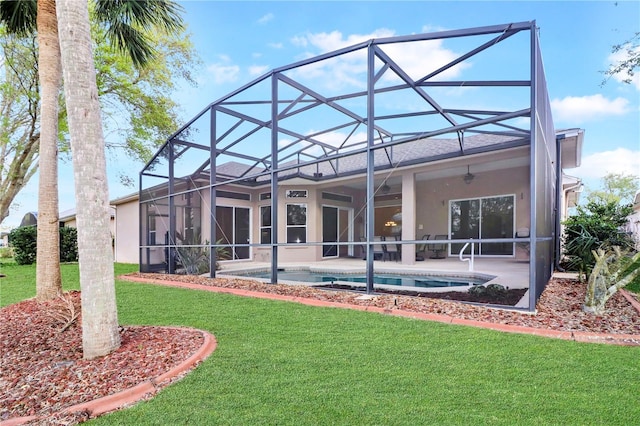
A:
[68,244]
[24,243]
[595,226]
[6,253]
[491,290]
[496,290]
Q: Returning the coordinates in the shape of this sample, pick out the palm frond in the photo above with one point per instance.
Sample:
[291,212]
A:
[126,22]
[19,16]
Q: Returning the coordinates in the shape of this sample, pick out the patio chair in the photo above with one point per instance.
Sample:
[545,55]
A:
[363,248]
[378,248]
[437,249]
[422,248]
[392,251]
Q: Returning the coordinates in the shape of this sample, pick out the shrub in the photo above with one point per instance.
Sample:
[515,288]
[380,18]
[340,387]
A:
[6,253]
[477,290]
[68,244]
[595,226]
[23,241]
[496,290]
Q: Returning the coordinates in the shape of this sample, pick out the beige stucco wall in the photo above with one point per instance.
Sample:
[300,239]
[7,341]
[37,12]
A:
[422,192]
[127,232]
[433,197]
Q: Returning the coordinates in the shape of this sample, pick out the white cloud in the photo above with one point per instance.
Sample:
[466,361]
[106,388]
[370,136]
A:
[416,58]
[598,164]
[258,69]
[266,18]
[584,108]
[275,45]
[432,29]
[224,71]
[620,56]
[334,139]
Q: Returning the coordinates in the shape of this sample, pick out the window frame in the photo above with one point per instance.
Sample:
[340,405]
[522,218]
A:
[480,224]
[262,226]
[296,226]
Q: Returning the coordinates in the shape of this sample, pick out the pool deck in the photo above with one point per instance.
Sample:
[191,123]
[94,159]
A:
[507,272]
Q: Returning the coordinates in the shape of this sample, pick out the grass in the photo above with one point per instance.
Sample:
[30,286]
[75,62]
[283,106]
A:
[284,363]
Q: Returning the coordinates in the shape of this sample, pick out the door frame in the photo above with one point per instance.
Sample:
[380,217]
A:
[233,237]
[350,230]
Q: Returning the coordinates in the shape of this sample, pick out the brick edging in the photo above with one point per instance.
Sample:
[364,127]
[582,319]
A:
[578,336]
[631,299]
[137,393]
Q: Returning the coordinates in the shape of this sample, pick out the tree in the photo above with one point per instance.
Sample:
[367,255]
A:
[48,277]
[595,226]
[126,24]
[19,18]
[99,313]
[617,188]
[613,270]
[626,60]
[136,103]
[19,115]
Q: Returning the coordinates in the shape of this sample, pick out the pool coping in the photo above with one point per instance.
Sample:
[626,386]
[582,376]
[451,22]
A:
[488,278]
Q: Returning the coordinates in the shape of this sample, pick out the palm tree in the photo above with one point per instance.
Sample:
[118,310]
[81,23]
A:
[99,329]
[126,22]
[22,17]
[99,313]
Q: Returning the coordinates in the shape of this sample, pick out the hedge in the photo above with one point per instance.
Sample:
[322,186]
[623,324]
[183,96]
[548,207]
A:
[24,243]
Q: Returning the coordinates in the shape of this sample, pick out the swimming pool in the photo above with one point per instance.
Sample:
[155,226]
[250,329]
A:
[401,280]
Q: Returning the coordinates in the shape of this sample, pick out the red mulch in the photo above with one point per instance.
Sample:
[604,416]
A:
[42,370]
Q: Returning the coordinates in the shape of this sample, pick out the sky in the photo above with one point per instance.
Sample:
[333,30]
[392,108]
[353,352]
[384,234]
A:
[239,41]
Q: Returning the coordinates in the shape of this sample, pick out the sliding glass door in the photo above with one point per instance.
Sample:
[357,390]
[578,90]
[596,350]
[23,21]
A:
[336,227]
[233,227]
[488,217]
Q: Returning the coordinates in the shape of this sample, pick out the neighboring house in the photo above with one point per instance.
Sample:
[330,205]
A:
[68,218]
[126,228]
[286,170]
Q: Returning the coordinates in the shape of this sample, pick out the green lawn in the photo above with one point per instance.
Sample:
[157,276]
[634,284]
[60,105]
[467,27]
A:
[280,363]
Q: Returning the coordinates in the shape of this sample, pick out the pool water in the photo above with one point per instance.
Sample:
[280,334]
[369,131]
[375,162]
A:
[426,281]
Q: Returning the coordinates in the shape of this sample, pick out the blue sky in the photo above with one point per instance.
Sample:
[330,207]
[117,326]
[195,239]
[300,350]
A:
[238,41]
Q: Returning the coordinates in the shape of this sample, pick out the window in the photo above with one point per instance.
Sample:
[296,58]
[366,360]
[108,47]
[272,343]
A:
[337,197]
[265,225]
[296,193]
[233,195]
[490,217]
[191,220]
[265,196]
[152,230]
[296,223]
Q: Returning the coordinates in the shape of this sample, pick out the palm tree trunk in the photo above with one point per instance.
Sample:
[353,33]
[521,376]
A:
[99,313]
[48,281]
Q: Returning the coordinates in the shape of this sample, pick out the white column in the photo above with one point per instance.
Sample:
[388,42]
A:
[408,217]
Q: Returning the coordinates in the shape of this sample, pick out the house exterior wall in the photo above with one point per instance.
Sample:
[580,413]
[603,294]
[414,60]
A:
[127,232]
[433,197]
[430,214]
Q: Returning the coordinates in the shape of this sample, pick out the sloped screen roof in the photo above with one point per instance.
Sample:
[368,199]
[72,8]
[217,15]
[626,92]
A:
[428,96]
